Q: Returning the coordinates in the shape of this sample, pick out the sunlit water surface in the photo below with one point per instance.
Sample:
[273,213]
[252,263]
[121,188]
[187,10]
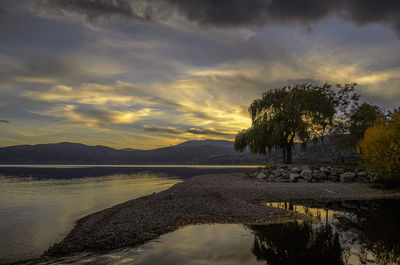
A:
[36,213]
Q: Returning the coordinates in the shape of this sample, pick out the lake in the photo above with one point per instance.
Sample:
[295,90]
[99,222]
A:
[39,204]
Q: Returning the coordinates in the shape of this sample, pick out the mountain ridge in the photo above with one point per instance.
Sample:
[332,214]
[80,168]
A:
[200,152]
[190,152]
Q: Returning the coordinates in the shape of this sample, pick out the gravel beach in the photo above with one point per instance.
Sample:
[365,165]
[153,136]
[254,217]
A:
[228,198]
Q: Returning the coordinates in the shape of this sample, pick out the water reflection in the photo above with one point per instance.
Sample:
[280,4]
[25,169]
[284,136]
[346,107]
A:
[336,233]
[79,171]
[368,231]
[296,243]
[379,232]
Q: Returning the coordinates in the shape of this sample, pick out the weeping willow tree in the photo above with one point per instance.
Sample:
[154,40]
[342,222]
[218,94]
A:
[283,116]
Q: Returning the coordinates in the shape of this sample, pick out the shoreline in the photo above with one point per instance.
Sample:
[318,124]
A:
[203,199]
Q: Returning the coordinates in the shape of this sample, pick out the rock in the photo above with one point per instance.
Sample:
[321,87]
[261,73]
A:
[333,178]
[361,179]
[282,171]
[373,178]
[281,179]
[285,175]
[347,176]
[254,174]
[273,176]
[306,174]
[324,169]
[309,174]
[295,170]
[336,171]
[320,175]
[362,174]
[294,177]
[276,172]
[261,175]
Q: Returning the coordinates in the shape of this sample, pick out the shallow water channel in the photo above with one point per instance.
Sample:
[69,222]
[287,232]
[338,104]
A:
[342,232]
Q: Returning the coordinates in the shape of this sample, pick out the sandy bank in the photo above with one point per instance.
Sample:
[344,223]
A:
[201,199]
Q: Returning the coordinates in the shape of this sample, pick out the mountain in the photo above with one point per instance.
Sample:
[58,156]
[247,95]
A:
[205,152]
[191,152]
[129,149]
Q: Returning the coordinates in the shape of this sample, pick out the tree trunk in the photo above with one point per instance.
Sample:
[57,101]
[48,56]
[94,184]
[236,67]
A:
[323,144]
[284,154]
[288,154]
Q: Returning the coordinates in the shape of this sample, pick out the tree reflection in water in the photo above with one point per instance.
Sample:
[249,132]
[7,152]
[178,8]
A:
[379,232]
[296,243]
[342,232]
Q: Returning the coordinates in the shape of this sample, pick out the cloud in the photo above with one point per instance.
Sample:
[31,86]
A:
[233,13]
[157,129]
[4,121]
[208,132]
[91,10]
[172,130]
[94,117]
[196,131]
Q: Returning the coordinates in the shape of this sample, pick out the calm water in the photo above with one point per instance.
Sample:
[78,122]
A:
[350,232]
[38,205]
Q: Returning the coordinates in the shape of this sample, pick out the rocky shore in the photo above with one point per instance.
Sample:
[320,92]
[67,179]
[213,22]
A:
[202,199]
[313,174]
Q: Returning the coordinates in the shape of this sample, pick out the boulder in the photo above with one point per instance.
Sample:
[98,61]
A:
[320,175]
[294,177]
[336,171]
[276,172]
[261,175]
[254,174]
[295,170]
[333,178]
[324,169]
[361,179]
[306,174]
[347,176]
[373,178]
[362,174]
[281,179]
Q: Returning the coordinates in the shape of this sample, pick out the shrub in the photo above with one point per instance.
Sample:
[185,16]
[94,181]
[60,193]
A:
[380,149]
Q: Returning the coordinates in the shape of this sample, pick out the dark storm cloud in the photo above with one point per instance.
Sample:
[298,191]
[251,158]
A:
[2,13]
[91,9]
[207,132]
[227,13]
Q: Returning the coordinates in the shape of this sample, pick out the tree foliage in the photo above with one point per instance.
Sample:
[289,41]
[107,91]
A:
[285,115]
[381,148]
[355,122]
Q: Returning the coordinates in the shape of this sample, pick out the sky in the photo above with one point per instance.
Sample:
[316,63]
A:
[152,73]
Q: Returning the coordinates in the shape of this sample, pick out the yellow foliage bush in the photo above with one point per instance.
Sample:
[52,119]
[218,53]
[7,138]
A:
[380,149]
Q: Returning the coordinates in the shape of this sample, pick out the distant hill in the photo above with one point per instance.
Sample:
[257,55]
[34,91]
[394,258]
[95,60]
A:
[191,152]
[205,152]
